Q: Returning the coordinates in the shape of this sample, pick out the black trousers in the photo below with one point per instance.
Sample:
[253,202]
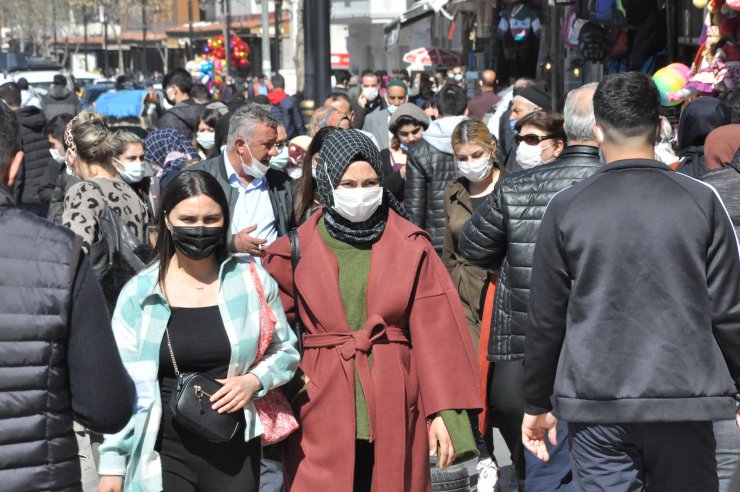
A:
[507,406]
[364,465]
[193,464]
[659,457]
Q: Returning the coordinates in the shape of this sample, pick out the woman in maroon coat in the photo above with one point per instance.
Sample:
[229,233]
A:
[388,361]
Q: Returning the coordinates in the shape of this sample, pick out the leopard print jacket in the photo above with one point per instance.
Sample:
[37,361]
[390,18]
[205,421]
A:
[83,206]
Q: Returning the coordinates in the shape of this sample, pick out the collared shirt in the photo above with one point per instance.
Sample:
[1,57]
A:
[252,207]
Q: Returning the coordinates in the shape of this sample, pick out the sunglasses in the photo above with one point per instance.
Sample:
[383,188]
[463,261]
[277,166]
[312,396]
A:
[531,139]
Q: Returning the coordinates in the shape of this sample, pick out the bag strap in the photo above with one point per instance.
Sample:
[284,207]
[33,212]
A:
[295,256]
[172,352]
[267,317]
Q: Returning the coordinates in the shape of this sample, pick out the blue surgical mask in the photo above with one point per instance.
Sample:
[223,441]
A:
[280,161]
[392,108]
[512,124]
[404,147]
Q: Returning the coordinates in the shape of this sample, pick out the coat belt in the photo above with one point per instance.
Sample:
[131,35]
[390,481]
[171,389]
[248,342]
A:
[358,345]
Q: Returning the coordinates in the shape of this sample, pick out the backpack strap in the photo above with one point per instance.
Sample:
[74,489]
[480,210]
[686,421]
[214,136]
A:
[295,256]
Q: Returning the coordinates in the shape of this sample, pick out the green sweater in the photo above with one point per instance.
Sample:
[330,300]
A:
[354,271]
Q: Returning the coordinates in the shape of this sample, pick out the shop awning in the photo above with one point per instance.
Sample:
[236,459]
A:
[418,11]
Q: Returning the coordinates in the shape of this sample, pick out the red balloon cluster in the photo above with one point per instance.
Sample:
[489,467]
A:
[239,50]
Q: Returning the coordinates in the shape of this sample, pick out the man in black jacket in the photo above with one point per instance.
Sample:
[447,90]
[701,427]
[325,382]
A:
[431,165]
[501,236]
[36,147]
[60,99]
[634,312]
[59,358]
[184,115]
[260,201]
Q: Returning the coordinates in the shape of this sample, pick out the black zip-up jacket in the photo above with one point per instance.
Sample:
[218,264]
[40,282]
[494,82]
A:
[634,312]
[502,233]
[183,117]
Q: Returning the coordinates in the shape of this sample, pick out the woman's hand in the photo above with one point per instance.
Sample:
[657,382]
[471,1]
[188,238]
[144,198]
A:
[236,393]
[110,483]
[439,437]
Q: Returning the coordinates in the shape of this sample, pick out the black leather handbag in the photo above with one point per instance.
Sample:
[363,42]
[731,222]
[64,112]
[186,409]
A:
[191,405]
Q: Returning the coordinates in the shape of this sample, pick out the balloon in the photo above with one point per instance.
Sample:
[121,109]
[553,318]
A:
[669,79]
[700,4]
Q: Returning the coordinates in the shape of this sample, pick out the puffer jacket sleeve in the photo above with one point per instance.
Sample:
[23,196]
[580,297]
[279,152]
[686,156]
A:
[483,239]
[415,192]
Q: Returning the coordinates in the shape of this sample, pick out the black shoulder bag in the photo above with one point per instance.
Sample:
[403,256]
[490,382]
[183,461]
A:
[115,244]
[295,255]
[191,404]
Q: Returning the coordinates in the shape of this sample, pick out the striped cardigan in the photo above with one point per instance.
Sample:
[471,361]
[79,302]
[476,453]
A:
[139,322]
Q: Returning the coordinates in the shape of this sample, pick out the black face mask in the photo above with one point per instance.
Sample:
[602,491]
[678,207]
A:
[197,243]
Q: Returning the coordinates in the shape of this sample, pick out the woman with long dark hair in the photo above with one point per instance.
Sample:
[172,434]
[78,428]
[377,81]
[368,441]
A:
[197,307]
[306,199]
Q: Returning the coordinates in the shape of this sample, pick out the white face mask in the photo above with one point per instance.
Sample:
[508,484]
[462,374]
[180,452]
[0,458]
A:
[357,204]
[529,156]
[133,172]
[294,172]
[257,169]
[392,108]
[371,93]
[56,155]
[207,140]
[476,170]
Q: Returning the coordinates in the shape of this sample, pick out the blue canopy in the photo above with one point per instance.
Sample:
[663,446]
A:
[121,104]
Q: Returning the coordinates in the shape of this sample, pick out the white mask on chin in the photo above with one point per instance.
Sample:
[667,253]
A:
[257,169]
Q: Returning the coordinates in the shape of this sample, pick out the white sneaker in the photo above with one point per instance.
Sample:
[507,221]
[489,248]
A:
[487,475]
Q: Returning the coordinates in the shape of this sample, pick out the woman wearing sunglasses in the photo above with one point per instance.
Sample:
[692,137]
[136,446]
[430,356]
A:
[540,138]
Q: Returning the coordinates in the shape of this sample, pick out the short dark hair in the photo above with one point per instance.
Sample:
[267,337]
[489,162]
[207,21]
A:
[60,79]
[188,184]
[10,136]
[200,91]
[210,117]
[22,83]
[549,122]
[278,81]
[56,126]
[451,101]
[180,78]
[370,73]
[342,77]
[627,105]
[11,94]
[336,96]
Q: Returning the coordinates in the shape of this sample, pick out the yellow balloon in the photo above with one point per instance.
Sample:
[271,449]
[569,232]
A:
[700,4]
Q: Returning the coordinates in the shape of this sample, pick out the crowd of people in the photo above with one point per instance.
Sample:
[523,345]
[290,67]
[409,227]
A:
[386,281]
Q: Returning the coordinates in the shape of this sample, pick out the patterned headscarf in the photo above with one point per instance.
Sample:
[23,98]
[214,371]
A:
[170,150]
[341,149]
[325,116]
